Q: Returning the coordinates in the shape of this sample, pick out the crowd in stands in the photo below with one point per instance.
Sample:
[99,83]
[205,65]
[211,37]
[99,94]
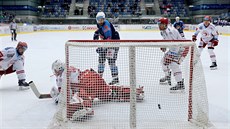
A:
[79,1]
[6,17]
[223,19]
[173,8]
[115,8]
[56,8]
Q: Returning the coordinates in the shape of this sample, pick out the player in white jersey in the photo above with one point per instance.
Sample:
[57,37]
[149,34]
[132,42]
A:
[173,57]
[12,60]
[209,37]
[13,28]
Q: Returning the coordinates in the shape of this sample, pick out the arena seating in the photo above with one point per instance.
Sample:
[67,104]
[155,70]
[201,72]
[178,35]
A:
[173,8]
[56,8]
[115,8]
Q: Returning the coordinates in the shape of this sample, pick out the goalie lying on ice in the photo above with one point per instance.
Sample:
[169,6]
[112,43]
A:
[80,108]
[90,85]
[86,87]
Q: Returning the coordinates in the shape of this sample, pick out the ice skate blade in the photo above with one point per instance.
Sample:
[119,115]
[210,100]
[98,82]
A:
[214,68]
[163,83]
[116,84]
[177,91]
[23,88]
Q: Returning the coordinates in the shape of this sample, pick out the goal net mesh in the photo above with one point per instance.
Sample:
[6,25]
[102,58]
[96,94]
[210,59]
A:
[139,101]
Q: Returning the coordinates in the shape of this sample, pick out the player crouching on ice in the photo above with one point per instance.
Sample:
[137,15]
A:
[12,60]
[80,107]
[173,57]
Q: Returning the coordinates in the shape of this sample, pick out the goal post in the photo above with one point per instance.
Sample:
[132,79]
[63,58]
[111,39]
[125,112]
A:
[139,101]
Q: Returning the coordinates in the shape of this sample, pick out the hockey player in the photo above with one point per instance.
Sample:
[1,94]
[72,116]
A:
[173,57]
[58,68]
[106,31]
[12,60]
[209,37]
[179,25]
[81,107]
[13,28]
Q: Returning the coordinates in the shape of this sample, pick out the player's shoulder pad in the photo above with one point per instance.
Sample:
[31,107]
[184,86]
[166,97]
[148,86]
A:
[9,48]
[200,26]
[107,23]
[212,25]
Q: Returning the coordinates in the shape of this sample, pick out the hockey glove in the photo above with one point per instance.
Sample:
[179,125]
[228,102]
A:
[194,38]
[215,42]
[1,55]
[163,49]
[96,36]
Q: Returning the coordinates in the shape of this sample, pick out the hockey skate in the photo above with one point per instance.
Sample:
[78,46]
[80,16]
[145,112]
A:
[179,87]
[114,81]
[166,80]
[213,66]
[23,85]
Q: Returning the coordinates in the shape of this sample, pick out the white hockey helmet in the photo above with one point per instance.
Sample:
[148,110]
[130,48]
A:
[58,66]
[177,19]
[99,16]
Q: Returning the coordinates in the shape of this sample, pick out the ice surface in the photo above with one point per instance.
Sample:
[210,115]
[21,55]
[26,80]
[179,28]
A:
[22,110]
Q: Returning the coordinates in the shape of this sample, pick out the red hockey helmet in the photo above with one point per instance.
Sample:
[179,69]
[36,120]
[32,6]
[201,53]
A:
[207,18]
[22,45]
[163,20]
[163,23]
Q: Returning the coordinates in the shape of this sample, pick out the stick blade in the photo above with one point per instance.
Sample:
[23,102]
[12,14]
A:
[37,93]
[45,96]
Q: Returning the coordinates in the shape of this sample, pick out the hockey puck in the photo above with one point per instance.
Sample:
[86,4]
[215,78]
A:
[159,106]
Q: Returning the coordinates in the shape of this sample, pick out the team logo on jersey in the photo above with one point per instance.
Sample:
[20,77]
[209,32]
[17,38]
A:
[200,27]
[205,33]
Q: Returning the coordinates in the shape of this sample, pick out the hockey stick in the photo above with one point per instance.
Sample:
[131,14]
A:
[37,93]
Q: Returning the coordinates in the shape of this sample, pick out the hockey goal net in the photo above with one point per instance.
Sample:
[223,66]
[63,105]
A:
[140,101]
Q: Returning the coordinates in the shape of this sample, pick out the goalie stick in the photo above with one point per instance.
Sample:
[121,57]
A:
[37,93]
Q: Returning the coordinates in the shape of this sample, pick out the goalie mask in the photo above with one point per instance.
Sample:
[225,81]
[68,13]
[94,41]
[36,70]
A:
[163,23]
[58,67]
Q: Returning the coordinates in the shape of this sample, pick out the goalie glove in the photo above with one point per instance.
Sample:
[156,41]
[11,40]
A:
[194,38]
[215,42]
[54,92]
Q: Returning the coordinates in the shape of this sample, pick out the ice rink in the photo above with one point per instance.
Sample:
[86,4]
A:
[22,110]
